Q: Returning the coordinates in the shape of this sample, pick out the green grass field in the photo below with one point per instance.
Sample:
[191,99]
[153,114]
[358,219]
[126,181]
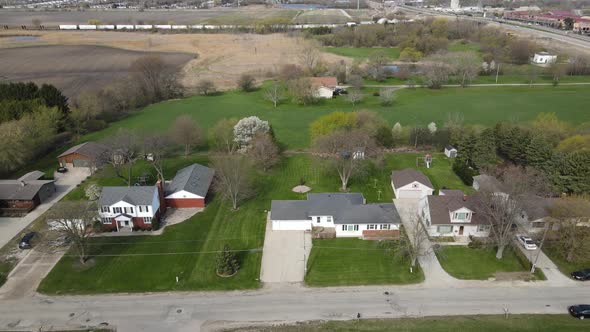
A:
[466,263]
[345,262]
[363,53]
[485,106]
[480,323]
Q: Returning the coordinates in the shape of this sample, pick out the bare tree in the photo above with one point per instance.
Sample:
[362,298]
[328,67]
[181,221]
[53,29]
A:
[354,96]
[233,177]
[302,91]
[123,149]
[275,93]
[264,151]
[346,152]
[74,219]
[310,58]
[573,217]
[465,65]
[414,243]
[155,149]
[150,70]
[246,83]
[205,87]
[221,136]
[186,133]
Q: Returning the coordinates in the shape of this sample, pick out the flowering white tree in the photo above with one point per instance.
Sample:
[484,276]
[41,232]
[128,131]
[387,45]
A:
[92,192]
[247,128]
[432,128]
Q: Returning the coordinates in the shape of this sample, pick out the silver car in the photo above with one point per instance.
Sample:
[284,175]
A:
[526,242]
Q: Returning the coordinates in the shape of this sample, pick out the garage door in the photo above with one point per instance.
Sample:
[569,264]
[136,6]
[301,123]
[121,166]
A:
[81,163]
[295,225]
[410,194]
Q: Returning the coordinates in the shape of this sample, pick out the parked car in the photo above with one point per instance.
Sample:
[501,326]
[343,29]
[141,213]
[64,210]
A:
[580,311]
[340,91]
[62,169]
[581,275]
[526,242]
[26,241]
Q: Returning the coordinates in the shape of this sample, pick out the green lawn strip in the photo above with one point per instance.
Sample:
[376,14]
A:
[351,261]
[525,79]
[481,323]
[552,250]
[363,53]
[480,264]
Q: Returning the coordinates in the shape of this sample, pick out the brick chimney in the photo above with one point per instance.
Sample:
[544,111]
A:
[160,187]
[464,198]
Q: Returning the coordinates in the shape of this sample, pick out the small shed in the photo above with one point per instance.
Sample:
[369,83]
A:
[450,151]
[82,155]
[324,86]
[544,58]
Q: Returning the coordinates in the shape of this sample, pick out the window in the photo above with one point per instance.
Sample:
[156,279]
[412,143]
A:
[147,220]
[105,209]
[385,226]
[350,228]
[131,209]
[461,216]
[106,221]
[444,229]
[317,219]
[117,210]
[483,228]
[140,208]
[329,218]
[414,185]
[147,208]
[372,226]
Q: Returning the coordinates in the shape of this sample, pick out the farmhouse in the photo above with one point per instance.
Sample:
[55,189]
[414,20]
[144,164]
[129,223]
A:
[20,196]
[410,183]
[129,208]
[324,86]
[189,187]
[82,155]
[450,151]
[452,214]
[347,214]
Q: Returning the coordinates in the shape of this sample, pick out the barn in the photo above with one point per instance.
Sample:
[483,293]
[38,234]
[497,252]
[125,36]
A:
[410,183]
[82,155]
[189,187]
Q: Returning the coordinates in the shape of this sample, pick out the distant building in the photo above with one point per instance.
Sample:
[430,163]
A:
[544,58]
[450,151]
[324,86]
[20,196]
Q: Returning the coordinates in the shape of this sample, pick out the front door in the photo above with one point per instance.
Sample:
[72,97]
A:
[461,230]
[125,225]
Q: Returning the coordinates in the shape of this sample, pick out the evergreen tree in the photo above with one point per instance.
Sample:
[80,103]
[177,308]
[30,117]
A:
[484,149]
[227,263]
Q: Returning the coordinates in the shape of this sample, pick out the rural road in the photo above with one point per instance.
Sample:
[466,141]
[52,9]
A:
[210,311]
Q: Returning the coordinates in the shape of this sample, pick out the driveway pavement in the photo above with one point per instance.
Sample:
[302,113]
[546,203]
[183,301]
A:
[10,227]
[284,255]
[551,271]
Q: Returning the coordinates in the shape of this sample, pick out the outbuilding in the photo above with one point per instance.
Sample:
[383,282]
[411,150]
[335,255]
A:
[189,187]
[450,151]
[82,155]
[544,58]
[410,183]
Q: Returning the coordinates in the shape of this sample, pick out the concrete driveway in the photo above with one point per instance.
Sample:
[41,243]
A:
[284,255]
[10,227]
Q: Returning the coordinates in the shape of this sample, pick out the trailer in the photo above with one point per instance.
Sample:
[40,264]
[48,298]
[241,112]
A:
[68,27]
[87,27]
[144,27]
[163,26]
[125,27]
[105,27]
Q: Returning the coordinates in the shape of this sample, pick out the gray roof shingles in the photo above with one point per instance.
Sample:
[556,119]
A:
[441,207]
[345,208]
[136,195]
[195,179]
[409,175]
[89,149]
[24,188]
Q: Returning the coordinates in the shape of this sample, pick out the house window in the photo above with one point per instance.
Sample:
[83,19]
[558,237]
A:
[147,208]
[350,228]
[461,216]
[117,210]
[140,208]
[106,221]
[385,226]
[483,228]
[131,209]
[147,220]
[329,218]
[371,226]
[444,229]
[415,185]
[317,219]
[105,209]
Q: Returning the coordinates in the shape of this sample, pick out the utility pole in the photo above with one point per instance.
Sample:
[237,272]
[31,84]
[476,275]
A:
[358,4]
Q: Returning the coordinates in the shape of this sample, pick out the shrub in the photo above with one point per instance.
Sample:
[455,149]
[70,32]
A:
[247,82]
[464,172]
[227,263]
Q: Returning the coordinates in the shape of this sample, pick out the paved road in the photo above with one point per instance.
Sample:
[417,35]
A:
[10,227]
[205,311]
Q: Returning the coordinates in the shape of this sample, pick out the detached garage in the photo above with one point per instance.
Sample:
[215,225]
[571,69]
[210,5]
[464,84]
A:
[410,183]
[189,187]
[82,155]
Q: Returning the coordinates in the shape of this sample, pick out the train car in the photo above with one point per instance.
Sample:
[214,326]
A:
[105,27]
[68,27]
[210,27]
[87,27]
[179,27]
[197,27]
[143,27]
[163,26]
[125,27]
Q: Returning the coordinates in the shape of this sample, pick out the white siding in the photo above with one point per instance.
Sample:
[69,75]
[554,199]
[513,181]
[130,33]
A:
[183,194]
[412,190]
[325,221]
[291,225]
[361,228]
[149,212]
[324,92]
[454,231]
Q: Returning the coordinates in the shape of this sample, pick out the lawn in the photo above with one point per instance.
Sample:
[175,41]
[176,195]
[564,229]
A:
[480,264]
[485,106]
[345,262]
[363,53]
[480,323]
[553,252]
[151,263]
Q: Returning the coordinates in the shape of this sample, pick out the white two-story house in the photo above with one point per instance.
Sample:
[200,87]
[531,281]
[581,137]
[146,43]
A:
[129,208]
[346,213]
[452,214]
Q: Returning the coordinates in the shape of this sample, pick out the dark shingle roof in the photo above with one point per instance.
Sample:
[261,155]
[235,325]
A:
[451,192]
[89,149]
[195,179]
[136,195]
[34,175]
[345,208]
[24,188]
[441,206]
[450,147]
[409,175]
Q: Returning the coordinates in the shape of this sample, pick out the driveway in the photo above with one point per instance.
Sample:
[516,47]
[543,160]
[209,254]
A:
[284,255]
[10,227]
[551,271]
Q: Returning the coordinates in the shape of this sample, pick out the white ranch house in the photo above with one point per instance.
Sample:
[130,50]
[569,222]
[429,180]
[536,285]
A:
[410,183]
[346,213]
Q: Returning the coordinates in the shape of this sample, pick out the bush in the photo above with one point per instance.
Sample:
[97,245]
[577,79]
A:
[464,172]
[247,82]
[227,263]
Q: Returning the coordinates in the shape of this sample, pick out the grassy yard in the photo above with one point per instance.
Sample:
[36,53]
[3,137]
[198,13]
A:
[466,263]
[363,53]
[151,263]
[344,262]
[484,106]
[552,251]
[481,323]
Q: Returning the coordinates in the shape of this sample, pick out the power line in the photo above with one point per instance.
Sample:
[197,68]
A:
[174,241]
[158,253]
